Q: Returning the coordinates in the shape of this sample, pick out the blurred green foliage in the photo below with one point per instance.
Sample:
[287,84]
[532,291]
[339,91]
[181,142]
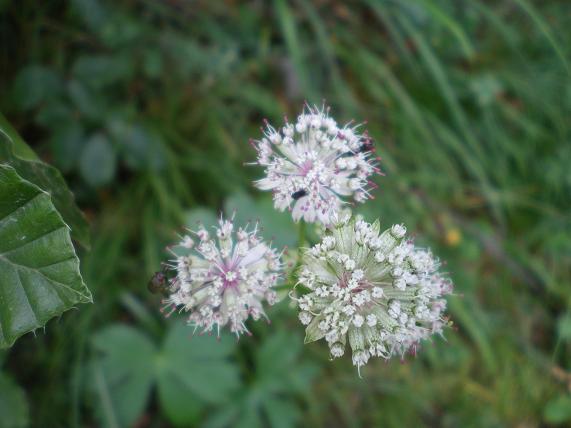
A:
[14,407]
[147,107]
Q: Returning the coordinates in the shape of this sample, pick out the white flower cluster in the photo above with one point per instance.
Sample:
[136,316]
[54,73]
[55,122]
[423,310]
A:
[313,164]
[224,284]
[377,289]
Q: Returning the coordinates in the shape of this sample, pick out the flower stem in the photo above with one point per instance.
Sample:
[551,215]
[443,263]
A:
[301,235]
[300,244]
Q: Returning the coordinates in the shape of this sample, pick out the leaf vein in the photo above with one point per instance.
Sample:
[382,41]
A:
[27,297]
[41,193]
[53,281]
[33,240]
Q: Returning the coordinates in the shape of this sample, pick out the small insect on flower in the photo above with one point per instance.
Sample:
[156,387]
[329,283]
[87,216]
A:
[313,165]
[376,290]
[224,279]
[159,283]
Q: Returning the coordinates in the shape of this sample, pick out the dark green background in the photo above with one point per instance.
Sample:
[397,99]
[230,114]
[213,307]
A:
[147,107]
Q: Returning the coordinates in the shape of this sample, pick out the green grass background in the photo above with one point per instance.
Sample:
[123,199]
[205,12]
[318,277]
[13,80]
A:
[147,107]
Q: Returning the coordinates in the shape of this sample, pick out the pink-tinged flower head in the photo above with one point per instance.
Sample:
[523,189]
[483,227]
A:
[314,166]
[225,277]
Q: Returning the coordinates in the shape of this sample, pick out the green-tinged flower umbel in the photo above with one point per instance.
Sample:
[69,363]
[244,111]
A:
[378,291]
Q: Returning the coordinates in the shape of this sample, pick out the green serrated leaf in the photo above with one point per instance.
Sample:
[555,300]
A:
[13,404]
[21,157]
[39,271]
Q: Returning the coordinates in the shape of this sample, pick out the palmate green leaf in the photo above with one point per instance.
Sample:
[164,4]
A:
[16,153]
[194,372]
[200,363]
[190,372]
[124,375]
[271,399]
[39,270]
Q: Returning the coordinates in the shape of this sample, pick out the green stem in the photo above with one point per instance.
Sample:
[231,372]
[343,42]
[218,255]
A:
[300,243]
[301,235]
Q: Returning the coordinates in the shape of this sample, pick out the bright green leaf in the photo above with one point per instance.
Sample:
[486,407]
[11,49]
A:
[39,271]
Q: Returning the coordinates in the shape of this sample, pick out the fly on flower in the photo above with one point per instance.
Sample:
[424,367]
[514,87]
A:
[314,166]
[159,282]
[224,279]
[376,290]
